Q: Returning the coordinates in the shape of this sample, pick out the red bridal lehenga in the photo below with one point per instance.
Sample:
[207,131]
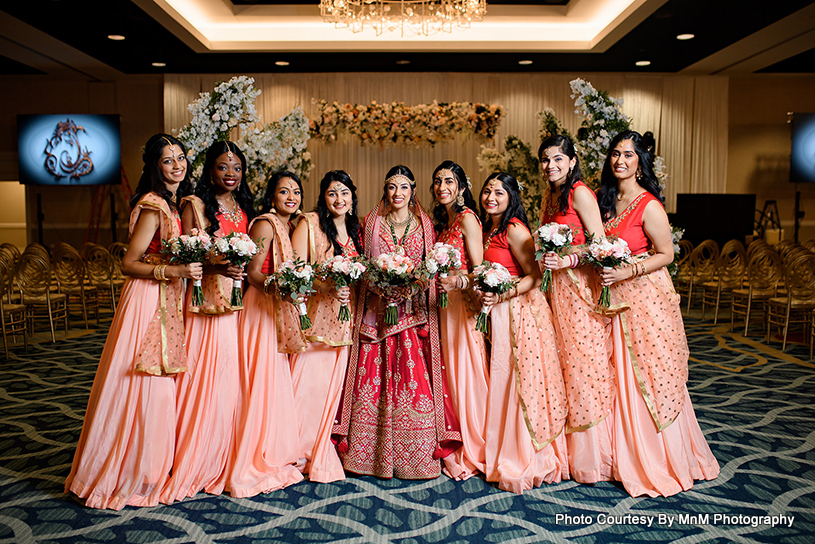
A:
[395,418]
[125,451]
[584,345]
[267,444]
[208,391]
[526,406]
[659,448]
[318,374]
[465,362]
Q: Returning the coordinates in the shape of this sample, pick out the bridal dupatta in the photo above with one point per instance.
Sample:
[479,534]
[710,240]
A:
[370,331]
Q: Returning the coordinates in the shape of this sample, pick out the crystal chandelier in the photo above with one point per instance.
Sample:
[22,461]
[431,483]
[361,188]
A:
[412,17]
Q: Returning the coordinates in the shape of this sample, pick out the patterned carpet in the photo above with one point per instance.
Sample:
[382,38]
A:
[754,403]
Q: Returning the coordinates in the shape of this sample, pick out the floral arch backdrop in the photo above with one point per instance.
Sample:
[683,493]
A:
[688,116]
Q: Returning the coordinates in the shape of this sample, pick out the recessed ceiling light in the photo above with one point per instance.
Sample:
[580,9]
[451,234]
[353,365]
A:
[685,37]
[524,62]
[402,62]
[159,64]
[116,37]
[282,63]
[643,63]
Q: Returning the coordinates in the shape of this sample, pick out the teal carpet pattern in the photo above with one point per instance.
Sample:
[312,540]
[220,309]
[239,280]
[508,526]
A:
[755,404]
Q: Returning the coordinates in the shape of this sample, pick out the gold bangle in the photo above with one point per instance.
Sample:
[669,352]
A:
[158,272]
[644,270]
[266,283]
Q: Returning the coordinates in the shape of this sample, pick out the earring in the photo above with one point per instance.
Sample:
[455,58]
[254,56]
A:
[272,209]
[639,174]
[460,199]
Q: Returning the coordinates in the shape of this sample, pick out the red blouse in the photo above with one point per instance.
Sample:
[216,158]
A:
[453,236]
[552,214]
[628,225]
[155,243]
[496,250]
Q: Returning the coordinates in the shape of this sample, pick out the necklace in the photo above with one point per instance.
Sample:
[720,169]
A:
[396,241]
[399,223]
[490,236]
[233,216]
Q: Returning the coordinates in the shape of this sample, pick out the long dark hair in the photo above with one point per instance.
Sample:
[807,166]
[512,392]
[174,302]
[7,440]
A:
[404,171]
[151,177]
[271,187]
[205,190]
[609,187]
[439,210]
[566,146]
[327,220]
[515,209]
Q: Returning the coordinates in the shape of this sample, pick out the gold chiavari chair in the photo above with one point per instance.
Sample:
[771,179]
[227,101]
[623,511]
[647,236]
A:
[70,272]
[812,334]
[765,273]
[702,267]
[33,278]
[101,273]
[730,268]
[809,244]
[12,316]
[117,251]
[796,307]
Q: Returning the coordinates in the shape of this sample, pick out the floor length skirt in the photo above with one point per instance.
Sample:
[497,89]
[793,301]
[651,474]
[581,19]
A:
[267,444]
[648,462]
[511,458]
[207,400]
[125,451]
[468,379]
[318,375]
[584,345]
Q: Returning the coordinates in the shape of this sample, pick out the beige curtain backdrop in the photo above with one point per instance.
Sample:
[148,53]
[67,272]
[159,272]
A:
[688,116]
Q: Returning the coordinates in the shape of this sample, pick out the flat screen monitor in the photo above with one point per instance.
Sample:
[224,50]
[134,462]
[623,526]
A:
[69,149]
[802,158]
[721,217]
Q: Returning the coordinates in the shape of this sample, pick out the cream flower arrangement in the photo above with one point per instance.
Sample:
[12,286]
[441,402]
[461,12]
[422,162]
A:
[395,123]
[229,113]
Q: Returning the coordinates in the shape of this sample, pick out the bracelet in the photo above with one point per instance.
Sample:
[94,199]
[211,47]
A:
[158,272]
[267,283]
[644,270]
[574,260]
[465,282]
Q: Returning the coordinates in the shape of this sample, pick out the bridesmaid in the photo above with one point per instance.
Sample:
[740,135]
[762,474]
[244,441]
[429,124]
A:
[659,448]
[462,346]
[267,445]
[526,408]
[208,392]
[125,451]
[319,372]
[395,415]
[582,334]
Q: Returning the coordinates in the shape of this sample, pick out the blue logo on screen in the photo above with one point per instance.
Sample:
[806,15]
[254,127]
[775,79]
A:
[64,154]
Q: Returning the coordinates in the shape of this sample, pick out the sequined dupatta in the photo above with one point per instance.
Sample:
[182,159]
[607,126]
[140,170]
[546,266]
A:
[290,338]
[324,309]
[162,352]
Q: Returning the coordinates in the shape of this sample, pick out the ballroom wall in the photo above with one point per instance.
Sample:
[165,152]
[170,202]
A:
[759,144]
[735,128]
[68,210]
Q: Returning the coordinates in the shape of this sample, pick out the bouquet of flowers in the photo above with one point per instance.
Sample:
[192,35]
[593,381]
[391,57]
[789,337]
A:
[391,270]
[552,238]
[490,278]
[295,278]
[186,249]
[342,271]
[676,235]
[441,258]
[238,249]
[607,253]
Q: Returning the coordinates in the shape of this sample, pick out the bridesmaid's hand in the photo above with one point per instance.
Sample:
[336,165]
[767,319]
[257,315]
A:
[192,271]
[343,294]
[553,261]
[447,284]
[609,276]
[235,272]
[399,294]
[489,299]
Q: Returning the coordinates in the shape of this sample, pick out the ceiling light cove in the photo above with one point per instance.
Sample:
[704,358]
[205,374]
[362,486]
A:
[216,25]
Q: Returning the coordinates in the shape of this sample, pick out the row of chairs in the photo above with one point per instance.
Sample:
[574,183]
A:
[777,283]
[35,284]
